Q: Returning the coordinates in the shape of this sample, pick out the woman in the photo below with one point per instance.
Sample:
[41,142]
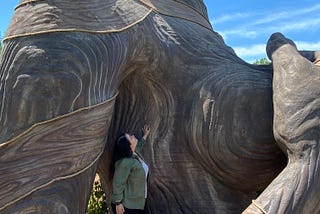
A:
[129,186]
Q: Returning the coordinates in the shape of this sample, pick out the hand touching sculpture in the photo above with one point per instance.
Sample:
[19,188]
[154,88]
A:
[145,131]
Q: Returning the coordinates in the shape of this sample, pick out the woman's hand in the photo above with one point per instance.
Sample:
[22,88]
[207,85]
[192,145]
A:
[145,131]
[120,209]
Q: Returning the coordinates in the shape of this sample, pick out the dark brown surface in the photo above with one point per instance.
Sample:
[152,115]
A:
[62,150]
[94,16]
[212,147]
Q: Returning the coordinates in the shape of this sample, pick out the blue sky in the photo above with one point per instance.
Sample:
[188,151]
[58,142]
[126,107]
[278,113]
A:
[245,24]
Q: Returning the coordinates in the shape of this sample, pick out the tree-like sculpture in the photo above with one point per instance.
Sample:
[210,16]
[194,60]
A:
[74,74]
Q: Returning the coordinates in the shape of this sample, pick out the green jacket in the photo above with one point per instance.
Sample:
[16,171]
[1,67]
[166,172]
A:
[129,179]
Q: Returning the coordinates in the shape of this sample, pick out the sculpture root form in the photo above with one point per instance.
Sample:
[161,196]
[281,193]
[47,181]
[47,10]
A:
[296,98]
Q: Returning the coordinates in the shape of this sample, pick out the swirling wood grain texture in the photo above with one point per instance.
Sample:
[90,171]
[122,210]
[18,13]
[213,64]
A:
[181,9]
[196,5]
[41,80]
[212,146]
[75,16]
[296,97]
[52,155]
[64,196]
[39,17]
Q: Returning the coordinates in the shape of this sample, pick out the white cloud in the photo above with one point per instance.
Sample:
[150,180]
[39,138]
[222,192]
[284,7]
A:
[308,45]
[287,21]
[252,32]
[302,24]
[250,51]
[267,16]
[239,32]
[230,17]
[257,51]
[272,16]
[258,26]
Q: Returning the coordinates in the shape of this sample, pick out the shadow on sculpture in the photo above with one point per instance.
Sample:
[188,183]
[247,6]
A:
[75,74]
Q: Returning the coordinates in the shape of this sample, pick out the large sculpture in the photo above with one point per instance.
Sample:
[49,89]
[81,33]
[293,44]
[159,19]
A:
[74,74]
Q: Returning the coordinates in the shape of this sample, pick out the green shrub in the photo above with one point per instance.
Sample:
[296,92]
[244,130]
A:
[97,202]
[262,61]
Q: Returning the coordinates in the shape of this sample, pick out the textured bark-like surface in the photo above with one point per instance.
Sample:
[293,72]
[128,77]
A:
[60,15]
[296,97]
[96,16]
[53,158]
[212,147]
[62,196]
[41,80]
[195,92]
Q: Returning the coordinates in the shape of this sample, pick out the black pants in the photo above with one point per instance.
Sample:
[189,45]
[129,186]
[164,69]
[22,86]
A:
[128,211]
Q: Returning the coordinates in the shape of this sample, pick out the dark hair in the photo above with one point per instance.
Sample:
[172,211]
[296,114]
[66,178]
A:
[122,149]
